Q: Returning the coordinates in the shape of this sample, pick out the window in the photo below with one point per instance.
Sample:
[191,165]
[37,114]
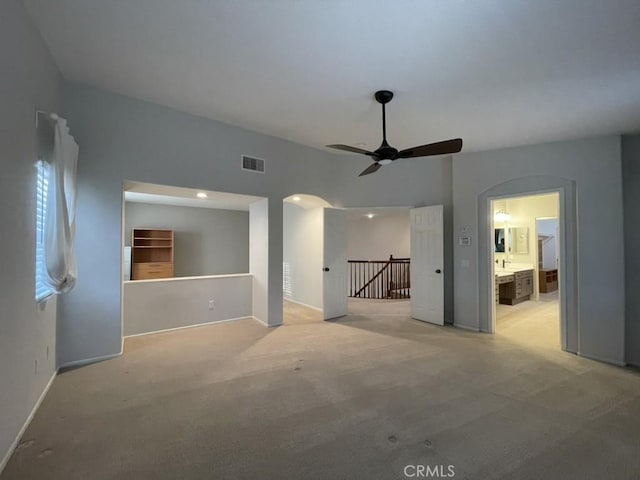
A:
[55,265]
[43,290]
[286,279]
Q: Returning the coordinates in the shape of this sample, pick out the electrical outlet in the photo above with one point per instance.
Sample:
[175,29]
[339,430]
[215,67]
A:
[211,303]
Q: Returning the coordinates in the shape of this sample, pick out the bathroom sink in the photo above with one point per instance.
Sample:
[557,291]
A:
[503,272]
[511,270]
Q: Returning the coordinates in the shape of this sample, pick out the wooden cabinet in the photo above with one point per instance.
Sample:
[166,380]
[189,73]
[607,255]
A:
[502,280]
[548,280]
[151,253]
[518,290]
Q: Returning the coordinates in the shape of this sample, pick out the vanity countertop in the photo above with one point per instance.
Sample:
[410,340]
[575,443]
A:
[512,269]
[503,273]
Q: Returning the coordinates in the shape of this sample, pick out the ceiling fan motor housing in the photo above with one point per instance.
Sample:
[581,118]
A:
[383,96]
[385,152]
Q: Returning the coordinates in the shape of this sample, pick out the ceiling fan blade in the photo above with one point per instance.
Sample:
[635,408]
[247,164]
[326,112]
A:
[438,148]
[374,167]
[347,148]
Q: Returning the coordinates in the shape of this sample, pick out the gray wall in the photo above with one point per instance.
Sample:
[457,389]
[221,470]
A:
[126,139]
[29,81]
[207,241]
[631,179]
[387,233]
[153,305]
[595,166]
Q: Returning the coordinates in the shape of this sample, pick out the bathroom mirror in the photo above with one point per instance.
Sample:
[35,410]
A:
[500,240]
[520,239]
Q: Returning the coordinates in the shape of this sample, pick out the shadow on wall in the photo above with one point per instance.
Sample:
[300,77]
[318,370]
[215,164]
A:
[189,254]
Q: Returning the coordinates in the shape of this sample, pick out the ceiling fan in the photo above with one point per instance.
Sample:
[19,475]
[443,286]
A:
[385,154]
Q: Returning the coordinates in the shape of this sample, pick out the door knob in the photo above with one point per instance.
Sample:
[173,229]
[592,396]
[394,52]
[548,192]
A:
[325,269]
[438,271]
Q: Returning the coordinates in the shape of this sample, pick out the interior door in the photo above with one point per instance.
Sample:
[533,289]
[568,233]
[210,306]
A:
[427,262]
[334,281]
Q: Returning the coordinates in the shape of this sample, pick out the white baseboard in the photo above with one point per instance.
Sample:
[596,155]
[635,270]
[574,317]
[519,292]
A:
[303,304]
[265,324]
[226,320]
[605,360]
[87,361]
[15,443]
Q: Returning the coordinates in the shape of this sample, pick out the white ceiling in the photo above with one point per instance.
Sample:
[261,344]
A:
[495,72]
[185,197]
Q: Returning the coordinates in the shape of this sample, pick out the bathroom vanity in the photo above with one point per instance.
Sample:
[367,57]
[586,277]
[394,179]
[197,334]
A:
[513,286]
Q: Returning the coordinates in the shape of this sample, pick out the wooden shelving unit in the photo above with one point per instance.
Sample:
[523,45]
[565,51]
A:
[548,280]
[152,253]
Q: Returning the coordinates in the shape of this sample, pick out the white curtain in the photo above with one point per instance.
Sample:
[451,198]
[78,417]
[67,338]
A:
[60,223]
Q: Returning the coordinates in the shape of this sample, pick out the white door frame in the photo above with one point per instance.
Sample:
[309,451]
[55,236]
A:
[562,277]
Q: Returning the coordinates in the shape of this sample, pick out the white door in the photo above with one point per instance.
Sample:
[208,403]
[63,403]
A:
[334,281]
[427,262]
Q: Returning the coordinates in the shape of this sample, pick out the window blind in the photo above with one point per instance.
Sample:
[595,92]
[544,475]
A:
[43,290]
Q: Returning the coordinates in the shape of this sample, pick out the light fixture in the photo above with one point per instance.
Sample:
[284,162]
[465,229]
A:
[201,195]
[369,215]
[502,215]
[296,198]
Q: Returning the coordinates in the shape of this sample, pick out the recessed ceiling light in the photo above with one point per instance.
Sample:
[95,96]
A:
[296,198]
[369,215]
[201,195]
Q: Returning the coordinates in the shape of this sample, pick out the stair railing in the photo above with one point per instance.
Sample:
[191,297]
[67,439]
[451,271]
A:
[380,278]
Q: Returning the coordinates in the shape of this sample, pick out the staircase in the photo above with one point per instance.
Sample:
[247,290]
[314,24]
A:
[380,279]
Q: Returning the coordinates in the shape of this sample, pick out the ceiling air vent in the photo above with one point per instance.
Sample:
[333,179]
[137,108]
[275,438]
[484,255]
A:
[252,164]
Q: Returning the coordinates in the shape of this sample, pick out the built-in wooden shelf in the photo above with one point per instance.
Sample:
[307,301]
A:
[548,280]
[152,253]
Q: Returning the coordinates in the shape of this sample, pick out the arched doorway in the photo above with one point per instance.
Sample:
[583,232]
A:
[314,242]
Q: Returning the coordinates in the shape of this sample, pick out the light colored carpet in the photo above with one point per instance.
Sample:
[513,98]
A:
[371,306]
[356,398]
[296,314]
[531,323]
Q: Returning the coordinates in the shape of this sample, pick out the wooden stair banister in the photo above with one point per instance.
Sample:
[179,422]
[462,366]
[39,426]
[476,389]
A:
[385,266]
[379,278]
